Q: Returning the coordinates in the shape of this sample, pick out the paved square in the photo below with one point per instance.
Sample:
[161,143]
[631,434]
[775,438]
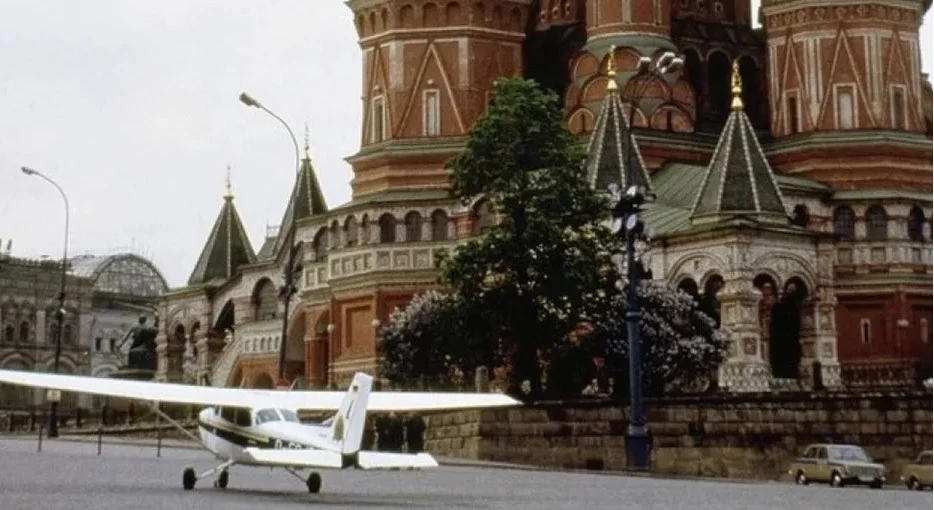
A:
[70,476]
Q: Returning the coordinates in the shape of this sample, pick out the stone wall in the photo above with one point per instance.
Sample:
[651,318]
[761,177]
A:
[740,436]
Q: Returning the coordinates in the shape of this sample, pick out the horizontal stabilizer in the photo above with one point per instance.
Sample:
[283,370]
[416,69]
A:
[383,460]
[320,459]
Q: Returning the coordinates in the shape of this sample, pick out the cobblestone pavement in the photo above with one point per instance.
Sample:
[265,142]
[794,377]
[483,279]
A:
[70,475]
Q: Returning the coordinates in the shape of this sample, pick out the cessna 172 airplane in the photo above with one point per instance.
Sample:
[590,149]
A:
[261,427]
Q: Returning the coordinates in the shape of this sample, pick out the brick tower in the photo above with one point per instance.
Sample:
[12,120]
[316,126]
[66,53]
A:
[846,94]
[428,71]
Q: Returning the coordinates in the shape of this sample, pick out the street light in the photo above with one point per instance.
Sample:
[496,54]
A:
[288,273]
[54,397]
[626,222]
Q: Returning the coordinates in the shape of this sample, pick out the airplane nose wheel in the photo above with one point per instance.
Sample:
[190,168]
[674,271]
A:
[314,483]
[188,479]
[222,479]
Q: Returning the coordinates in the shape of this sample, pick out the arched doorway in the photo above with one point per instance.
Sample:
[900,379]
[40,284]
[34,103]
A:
[768,289]
[689,287]
[263,381]
[785,330]
[709,302]
[295,346]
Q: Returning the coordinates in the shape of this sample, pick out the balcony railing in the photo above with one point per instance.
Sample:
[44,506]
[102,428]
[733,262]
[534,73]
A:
[371,258]
[886,374]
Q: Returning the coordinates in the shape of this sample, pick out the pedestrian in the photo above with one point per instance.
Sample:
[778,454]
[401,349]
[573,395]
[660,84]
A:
[382,434]
[415,433]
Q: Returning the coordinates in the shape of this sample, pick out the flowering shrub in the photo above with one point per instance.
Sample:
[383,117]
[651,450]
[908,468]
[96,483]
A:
[680,344]
[425,342]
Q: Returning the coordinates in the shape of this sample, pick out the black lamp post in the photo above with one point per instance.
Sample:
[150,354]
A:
[289,272]
[626,222]
[54,395]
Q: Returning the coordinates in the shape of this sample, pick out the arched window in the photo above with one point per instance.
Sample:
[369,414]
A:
[365,229]
[387,228]
[320,244]
[334,235]
[265,300]
[916,224]
[800,215]
[689,287]
[876,223]
[53,333]
[24,330]
[439,226]
[413,227]
[350,231]
[67,338]
[9,334]
[844,220]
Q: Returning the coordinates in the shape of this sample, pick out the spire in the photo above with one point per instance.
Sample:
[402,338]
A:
[613,155]
[739,181]
[227,248]
[306,200]
[611,69]
[736,88]
[228,195]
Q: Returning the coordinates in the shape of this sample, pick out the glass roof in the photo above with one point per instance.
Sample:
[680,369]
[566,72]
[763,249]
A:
[126,274]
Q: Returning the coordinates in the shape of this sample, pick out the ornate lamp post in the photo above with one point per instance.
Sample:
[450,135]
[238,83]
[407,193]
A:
[626,222]
[289,272]
[54,395]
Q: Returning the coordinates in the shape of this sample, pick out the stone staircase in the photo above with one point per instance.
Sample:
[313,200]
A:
[220,372]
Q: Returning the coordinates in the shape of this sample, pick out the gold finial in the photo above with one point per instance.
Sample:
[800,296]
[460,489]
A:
[306,142]
[611,68]
[229,194]
[737,88]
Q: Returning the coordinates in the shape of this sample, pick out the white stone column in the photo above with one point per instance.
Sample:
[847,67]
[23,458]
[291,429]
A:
[745,369]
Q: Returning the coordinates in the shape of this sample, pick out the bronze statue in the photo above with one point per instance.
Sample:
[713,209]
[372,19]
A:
[142,355]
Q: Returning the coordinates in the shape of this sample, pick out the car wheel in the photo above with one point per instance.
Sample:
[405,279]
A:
[836,480]
[800,479]
[913,484]
[876,484]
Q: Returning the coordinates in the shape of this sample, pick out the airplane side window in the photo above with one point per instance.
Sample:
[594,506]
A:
[243,418]
[289,415]
[229,414]
[266,415]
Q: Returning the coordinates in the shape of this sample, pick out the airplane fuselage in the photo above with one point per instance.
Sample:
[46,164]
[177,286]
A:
[227,432]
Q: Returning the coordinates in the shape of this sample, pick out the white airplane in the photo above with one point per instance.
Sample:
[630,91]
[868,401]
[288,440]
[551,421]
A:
[261,427]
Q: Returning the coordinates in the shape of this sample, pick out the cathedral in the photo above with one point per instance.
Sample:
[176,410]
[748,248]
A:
[788,165]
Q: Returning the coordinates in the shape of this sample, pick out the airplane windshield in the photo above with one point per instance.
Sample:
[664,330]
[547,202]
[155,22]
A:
[289,415]
[267,415]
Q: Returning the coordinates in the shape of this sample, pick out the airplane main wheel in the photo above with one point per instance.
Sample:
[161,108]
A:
[189,478]
[222,479]
[314,483]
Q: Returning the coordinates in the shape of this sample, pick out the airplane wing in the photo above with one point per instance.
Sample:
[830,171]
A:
[295,458]
[238,397]
[384,460]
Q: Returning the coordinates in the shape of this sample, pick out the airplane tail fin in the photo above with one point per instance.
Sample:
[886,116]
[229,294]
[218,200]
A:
[348,425]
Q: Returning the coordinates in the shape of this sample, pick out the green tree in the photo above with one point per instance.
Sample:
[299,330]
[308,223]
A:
[534,270]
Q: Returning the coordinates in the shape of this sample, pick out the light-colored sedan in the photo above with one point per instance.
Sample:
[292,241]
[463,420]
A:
[917,475]
[838,465]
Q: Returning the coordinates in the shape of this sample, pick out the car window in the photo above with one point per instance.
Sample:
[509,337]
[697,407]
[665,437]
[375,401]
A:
[822,453]
[925,459]
[810,453]
[851,453]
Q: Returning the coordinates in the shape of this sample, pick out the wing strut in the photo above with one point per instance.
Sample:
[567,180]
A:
[155,408]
